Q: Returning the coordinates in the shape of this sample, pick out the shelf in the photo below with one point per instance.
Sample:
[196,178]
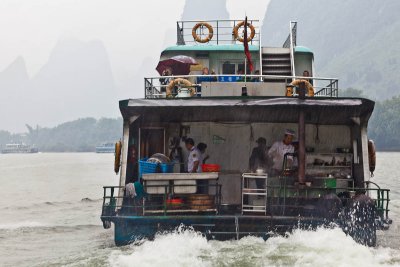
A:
[327,167]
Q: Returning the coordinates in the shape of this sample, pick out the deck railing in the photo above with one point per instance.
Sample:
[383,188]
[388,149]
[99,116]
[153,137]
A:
[323,87]
[279,195]
[222,32]
[159,203]
[279,198]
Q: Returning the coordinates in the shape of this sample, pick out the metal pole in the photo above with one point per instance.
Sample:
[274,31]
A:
[302,138]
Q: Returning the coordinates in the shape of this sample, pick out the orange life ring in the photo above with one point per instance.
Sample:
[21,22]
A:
[289,91]
[117,156]
[197,38]
[371,156]
[180,82]
[310,88]
[236,31]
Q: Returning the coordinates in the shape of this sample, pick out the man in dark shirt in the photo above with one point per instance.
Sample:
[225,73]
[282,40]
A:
[258,159]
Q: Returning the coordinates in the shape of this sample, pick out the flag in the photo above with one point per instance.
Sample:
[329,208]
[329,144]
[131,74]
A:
[246,47]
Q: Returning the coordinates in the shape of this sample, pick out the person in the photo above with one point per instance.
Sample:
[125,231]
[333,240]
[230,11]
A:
[256,79]
[194,157]
[202,148]
[258,159]
[279,149]
[204,78]
[176,154]
[214,79]
[306,73]
[165,81]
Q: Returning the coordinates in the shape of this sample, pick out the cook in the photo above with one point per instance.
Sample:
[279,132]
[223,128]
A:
[279,149]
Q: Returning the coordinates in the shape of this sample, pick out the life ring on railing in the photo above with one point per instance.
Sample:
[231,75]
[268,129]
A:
[236,31]
[310,88]
[371,156]
[289,90]
[117,156]
[197,38]
[181,82]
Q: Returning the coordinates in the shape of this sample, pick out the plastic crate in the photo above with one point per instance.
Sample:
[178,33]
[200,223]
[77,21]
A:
[150,167]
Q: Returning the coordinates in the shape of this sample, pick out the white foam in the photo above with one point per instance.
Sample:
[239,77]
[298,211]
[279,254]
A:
[323,247]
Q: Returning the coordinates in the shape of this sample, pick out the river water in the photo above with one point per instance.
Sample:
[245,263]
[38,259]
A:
[49,216]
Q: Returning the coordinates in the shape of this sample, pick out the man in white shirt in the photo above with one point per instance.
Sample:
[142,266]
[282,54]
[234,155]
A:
[279,149]
[194,157]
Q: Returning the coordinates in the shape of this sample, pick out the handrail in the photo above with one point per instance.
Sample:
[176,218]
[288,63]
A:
[223,31]
[110,208]
[154,88]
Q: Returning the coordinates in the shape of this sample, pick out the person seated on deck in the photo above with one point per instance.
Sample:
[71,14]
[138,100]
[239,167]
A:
[194,157]
[204,78]
[258,159]
[241,77]
[256,79]
[279,149]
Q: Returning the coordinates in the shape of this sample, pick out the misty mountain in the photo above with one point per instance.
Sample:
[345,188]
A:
[356,41]
[75,82]
[14,83]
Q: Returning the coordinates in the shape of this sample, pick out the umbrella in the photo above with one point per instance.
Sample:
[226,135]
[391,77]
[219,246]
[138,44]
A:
[180,65]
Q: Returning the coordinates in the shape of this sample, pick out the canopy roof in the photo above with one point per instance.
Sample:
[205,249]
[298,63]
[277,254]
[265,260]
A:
[249,109]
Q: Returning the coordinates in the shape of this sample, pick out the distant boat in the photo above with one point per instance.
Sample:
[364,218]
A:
[105,148]
[19,148]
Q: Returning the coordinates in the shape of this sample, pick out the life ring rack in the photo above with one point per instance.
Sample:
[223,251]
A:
[117,156]
[198,38]
[371,157]
[180,82]
[236,31]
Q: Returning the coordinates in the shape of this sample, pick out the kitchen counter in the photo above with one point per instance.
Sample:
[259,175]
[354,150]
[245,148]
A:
[180,176]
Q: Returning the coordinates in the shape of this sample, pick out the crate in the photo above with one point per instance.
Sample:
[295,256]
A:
[150,167]
[185,186]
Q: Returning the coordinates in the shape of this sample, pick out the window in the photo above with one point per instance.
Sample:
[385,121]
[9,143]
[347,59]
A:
[231,68]
[228,68]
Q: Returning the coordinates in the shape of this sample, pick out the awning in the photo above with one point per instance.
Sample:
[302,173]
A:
[238,109]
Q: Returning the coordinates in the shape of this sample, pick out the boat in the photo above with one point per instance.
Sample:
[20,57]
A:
[330,186]
[19,148]
[105,148]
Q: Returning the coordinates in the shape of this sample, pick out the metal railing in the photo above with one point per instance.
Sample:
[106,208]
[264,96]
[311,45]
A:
[332,89]
[279,195]
[223,32]
[323,87]
[291,40]
[159,203]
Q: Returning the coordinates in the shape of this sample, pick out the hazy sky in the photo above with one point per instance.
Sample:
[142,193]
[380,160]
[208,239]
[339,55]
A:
[31,28]
[134,33]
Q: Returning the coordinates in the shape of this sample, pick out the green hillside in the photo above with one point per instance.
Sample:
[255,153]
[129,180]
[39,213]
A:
[80,135]
[355,41]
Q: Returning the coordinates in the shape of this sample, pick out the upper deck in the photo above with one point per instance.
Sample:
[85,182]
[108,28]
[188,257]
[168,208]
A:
[219,67]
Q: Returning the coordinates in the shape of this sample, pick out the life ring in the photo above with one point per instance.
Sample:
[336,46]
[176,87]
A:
[181,82]
[371,156]
[236,31]
[117,156]
[289,91]
[310,88]
[197,38]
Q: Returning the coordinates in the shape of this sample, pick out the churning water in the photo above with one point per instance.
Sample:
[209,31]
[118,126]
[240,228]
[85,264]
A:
[49,216]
